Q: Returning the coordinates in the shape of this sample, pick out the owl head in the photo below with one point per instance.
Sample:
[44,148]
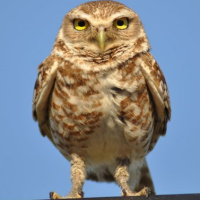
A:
[101,27]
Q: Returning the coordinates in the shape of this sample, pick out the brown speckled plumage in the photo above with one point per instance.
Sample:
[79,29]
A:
[104,108]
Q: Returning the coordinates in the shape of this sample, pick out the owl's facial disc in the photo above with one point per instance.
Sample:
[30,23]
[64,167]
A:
[101,37]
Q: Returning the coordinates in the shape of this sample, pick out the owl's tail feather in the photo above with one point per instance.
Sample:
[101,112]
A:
[145,180]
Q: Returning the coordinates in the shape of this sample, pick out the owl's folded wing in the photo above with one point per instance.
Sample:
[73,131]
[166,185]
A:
[43,87]
[159,92]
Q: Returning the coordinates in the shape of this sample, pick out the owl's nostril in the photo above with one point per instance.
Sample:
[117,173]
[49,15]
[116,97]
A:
[101,28]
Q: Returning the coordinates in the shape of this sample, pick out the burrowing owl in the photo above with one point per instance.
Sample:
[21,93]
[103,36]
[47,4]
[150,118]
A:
[101,98]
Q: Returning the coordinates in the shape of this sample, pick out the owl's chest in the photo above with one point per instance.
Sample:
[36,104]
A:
[88,98]
[89,108]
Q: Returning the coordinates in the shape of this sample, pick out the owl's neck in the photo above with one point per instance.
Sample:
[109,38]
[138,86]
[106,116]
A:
[89,60]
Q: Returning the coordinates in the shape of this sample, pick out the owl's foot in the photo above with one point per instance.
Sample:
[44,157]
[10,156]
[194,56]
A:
[54,195]
[144,192]
[77,177]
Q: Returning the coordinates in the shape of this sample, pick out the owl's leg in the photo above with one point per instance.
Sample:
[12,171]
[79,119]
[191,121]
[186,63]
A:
[77,178]
[122,178]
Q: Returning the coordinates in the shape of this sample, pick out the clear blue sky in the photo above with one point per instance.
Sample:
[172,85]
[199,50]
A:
[30,166]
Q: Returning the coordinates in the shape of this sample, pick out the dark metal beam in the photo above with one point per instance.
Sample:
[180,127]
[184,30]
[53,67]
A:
[157,197]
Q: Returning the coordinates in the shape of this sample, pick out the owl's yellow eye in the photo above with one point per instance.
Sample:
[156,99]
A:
[80,24]
[121,23]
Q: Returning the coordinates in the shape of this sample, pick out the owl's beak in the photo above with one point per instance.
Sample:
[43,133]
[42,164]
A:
[101,37]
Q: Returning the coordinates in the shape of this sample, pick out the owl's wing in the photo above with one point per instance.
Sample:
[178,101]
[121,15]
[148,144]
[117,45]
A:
[159,92]
[43,87]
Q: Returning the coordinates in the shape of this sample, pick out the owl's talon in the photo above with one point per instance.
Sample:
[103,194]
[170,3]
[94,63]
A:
[148,191]
[144,192]
[124,193]
[81,194]
[54,195]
